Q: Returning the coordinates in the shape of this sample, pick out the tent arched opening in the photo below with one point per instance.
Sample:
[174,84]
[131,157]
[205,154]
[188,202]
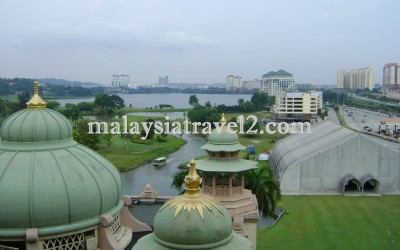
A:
[369,184]
[350,183]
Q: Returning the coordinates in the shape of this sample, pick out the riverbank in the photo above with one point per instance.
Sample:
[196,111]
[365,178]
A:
[126,155]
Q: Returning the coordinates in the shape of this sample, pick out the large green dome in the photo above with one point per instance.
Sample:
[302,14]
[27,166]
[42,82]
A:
[47,180]
[35,125]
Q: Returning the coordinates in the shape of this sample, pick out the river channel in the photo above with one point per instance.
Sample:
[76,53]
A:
[160,178]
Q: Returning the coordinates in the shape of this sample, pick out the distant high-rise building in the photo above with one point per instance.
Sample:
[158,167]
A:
[355,79]
[233,82]
[120,80]
[249,85]
[163,80]
[391,76]
[275,82]
[391,80]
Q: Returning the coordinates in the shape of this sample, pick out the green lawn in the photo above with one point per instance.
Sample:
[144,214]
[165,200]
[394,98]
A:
[126,155]
[335,222]
[11,98]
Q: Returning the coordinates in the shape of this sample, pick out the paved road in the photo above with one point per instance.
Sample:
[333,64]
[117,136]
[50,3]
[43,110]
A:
[361,118]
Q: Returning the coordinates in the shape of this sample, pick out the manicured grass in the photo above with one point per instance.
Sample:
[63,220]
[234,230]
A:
[126,155]
[11,98]
[334,222]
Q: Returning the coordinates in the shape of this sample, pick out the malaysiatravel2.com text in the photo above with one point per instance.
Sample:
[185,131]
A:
[189,127]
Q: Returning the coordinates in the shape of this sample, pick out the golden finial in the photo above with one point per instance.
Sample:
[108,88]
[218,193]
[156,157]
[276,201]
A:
[192,199]
[222,122]
[192,181]
[36,102]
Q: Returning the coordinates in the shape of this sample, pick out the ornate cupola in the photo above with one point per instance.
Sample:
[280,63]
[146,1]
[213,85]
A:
[223,178]
[193,221]
[222,144]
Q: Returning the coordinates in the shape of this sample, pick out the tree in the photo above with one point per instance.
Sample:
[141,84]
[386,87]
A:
[85,106]
[72,112]
[23,98]
[53,104]
[240,102]
[260,100]
[106,104]
[151,130]
[107,138]
[81,135]
[263,184]
[193,100]
[178,179]
[248,125]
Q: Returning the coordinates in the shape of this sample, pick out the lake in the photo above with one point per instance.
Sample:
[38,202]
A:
[175,99]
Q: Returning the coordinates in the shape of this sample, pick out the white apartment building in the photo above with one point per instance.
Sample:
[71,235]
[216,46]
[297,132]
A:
[249,85]
[233,83]
[391,76]
[297,106]
[276,82]
[355,79]
[120,80]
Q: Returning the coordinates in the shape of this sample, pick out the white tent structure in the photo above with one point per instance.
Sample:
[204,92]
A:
[333,158]
[264,156]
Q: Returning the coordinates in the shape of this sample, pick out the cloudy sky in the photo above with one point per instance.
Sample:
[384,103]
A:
[196,41]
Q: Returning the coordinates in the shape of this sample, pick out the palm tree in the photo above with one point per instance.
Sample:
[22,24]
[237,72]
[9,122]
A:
[178,179]
[260,181]
[263,184]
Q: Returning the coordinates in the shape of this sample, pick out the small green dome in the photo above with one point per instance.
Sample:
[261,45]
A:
[193,221]
[188,228]
[223,141]
[35,125]
[224,137]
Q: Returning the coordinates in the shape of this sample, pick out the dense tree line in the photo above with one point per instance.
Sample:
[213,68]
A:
[17,85]
[209,113]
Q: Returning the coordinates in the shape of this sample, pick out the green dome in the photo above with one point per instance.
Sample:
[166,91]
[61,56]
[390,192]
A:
[193,221]
[47,180]
[35,125]
[189,228]
[223,141]
[222,138]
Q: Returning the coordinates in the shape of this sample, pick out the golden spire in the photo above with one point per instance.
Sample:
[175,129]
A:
[192,199]
[192,181]
[222,122]
[36,102]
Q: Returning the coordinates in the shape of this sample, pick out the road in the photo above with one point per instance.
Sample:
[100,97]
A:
[361,118]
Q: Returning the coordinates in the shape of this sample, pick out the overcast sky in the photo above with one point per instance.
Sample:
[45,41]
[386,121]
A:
[196,41]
